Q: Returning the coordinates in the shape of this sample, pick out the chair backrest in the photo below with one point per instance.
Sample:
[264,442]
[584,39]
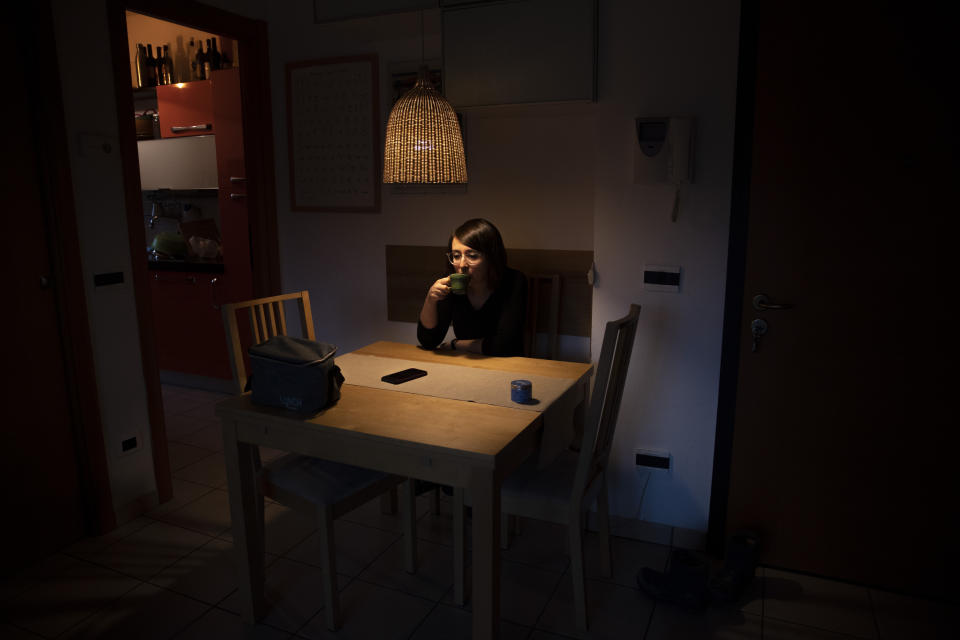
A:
[536,284]
[267,319]
[611,373]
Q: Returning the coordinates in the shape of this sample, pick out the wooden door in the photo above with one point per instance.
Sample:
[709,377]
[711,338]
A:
[842,418]
[39,469]
[232,183]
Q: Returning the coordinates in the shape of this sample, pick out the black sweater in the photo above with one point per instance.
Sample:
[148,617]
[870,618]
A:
[499,321]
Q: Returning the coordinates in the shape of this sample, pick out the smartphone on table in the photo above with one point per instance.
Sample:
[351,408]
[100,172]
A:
[404,376]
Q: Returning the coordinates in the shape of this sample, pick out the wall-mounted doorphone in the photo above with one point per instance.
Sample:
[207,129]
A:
[664,151]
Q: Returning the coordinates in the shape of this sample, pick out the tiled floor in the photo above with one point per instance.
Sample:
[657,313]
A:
[169,574]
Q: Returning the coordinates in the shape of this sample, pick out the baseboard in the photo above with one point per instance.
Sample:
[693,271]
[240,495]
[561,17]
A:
[217,385]
[653,532]
[136,507]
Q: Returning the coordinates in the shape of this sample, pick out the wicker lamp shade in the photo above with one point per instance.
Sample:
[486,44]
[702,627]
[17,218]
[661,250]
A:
[423,142]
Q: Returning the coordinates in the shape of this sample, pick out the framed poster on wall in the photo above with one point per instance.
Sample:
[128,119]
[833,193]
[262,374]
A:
[332,123]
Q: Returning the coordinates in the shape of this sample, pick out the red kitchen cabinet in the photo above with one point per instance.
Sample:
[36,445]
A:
[186,304]
[186,109]
[186,318]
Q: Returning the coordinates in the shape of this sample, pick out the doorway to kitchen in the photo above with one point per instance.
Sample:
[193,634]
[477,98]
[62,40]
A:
[195,138]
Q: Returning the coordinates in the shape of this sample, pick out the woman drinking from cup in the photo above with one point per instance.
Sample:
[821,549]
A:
[483,298]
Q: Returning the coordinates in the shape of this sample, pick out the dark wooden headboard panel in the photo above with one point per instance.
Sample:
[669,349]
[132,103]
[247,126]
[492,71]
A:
[411,270]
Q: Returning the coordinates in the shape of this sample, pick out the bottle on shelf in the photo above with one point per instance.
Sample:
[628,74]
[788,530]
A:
[166,66]
[192,58]
[201,61]
[215,55]
[139,66]
[208,62]
[151,67]
[159,64]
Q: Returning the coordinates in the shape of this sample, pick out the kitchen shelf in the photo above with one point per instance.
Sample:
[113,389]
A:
[185,266]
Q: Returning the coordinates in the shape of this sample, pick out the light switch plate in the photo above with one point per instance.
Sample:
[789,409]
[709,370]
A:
[661,278]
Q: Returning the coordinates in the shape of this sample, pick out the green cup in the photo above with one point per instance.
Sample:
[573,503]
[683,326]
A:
[458,283]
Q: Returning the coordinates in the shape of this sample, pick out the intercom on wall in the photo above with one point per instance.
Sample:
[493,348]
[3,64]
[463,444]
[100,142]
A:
[664,151]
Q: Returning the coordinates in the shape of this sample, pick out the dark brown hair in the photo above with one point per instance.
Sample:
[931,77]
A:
[481,235]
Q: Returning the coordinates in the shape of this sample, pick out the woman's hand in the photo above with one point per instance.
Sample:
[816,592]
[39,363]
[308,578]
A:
[439,290]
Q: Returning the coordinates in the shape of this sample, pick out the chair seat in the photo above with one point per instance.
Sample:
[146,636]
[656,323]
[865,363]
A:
[321,482]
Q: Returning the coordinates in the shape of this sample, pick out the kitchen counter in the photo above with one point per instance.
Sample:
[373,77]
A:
[185,266]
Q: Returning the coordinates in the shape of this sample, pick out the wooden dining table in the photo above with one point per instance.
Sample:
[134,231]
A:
[456,426]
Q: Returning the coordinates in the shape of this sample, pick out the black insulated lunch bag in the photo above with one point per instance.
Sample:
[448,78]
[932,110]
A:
[295,374]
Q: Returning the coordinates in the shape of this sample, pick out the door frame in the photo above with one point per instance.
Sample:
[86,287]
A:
[36,25]
[736,274]
[251,37]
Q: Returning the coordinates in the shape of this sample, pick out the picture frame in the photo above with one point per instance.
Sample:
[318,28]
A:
[333,123]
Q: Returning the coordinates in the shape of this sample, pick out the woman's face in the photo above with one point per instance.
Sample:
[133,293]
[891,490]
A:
[471,261]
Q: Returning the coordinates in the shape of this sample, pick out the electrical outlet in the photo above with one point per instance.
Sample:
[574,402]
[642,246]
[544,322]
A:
[655,459]
[128,444]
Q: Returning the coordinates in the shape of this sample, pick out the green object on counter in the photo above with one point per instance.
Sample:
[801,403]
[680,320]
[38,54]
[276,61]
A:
[169,244]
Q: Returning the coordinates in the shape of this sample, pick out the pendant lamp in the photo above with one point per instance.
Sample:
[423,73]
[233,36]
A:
[423,141]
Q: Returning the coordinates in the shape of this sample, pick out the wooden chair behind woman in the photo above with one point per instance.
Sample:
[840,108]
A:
[540,287]
[568,487]
[326,489]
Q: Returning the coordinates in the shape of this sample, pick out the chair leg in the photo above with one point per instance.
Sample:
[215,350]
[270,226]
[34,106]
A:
[459,549]
[603,528]
[408,512]
[575,536]
[388,501]
[328,565]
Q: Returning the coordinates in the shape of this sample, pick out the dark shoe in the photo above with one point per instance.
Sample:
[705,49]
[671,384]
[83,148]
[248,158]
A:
[739,567]
[684,583]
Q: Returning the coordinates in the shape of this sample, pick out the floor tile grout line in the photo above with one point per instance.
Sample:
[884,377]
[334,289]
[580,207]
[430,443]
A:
[763,601]
[873,610]
[98,611]
[25,630]
[838,634]
[192,622]
[653,611]
[553,594]
[321,610]
[428,614]
[154,575]
[399,590]
[183,506]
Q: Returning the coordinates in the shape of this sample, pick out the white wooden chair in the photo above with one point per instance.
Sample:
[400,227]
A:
[565,490]
[326,489]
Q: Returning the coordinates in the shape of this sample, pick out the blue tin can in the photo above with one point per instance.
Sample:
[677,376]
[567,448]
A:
[521,391]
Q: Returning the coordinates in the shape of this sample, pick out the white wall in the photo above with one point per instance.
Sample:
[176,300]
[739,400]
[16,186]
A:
[560,176]
[91,120]
[530,169]
[550,176]
[665,57]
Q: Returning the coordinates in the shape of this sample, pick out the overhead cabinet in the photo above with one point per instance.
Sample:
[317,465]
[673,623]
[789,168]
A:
[497,53]
[186,109]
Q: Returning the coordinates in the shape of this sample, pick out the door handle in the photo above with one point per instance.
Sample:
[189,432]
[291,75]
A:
[237,196]
[192,127]
[762,303]
[237,179]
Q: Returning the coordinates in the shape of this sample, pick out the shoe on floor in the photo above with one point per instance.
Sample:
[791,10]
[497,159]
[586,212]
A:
[684,583]
[739,568]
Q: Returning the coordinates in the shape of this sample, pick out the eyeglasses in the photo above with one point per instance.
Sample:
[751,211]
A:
[470,257]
